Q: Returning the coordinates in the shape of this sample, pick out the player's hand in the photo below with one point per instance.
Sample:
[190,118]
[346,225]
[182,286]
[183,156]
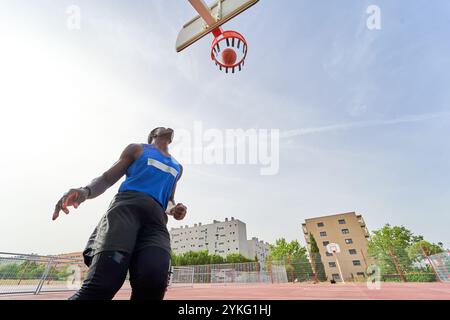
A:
[179,211]
[74,197]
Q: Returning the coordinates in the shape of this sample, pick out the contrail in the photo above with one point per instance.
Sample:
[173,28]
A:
[362,124]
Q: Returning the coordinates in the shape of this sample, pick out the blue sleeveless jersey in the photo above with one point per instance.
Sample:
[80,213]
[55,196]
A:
[153,174]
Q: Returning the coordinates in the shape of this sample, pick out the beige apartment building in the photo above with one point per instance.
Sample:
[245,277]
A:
[349,231]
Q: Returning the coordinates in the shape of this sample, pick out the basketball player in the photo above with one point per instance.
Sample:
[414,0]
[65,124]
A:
[132,235]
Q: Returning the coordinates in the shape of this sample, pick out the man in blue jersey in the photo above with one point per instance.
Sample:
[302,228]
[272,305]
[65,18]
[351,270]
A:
[132,235]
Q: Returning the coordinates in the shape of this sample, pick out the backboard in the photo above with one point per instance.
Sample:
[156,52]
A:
[333,248]
[209,19]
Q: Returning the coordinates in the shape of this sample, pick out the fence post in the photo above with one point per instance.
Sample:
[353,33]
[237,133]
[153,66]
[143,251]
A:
[292,268]
[21,275]
[44,276]
[258,271]
[397,266]
[313,264]
[443,265]
[429,261]
[270,270]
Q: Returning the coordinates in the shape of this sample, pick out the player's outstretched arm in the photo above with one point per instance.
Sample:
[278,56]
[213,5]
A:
[178,211]
[74,197]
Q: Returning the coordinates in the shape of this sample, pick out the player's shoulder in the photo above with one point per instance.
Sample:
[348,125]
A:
[134,150]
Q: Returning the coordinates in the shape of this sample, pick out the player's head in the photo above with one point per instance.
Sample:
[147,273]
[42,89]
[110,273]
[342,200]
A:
[161,135]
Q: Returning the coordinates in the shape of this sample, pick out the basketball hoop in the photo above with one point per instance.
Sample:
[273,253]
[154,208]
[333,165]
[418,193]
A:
[229,50]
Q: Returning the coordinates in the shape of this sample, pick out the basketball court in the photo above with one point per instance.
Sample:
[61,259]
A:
[290,291]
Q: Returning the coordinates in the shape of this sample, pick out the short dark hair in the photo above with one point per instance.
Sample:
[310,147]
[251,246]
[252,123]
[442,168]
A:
[152,135]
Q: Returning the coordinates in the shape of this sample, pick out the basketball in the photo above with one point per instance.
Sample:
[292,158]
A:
[229,57]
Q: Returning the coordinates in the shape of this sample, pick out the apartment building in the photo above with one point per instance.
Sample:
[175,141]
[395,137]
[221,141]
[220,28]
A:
[349,231]
[258,248]
[220,237]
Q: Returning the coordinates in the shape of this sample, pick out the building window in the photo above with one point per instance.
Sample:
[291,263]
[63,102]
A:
[323,234]
[325,243]
[348,241]
[361,274]
[356,262]
[332,264]
[336,276]
[352,251]
[320,224]
[341,221]
[345,231]
[328,254]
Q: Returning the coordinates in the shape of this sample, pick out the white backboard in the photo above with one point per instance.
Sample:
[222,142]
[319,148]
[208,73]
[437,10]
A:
[333,248]
[222,11]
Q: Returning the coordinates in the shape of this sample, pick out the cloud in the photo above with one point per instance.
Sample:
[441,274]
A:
[363,124]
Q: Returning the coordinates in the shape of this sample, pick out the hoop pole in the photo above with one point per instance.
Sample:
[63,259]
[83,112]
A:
[364,258]
[339,267]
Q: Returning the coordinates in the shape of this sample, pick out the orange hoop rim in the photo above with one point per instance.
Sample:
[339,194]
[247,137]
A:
[230,37]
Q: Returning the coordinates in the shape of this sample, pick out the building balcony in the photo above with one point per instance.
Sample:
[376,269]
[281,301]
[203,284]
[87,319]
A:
[366,232]
[305,231]
[361,221]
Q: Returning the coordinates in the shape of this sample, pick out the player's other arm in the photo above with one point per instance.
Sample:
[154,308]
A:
[178,211]
[74,197]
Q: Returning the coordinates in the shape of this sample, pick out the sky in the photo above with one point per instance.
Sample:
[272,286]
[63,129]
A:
[364,115]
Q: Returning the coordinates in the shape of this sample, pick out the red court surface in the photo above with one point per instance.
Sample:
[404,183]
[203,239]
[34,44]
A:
[388,291]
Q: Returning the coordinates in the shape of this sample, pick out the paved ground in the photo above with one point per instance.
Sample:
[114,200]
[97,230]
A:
[389,291]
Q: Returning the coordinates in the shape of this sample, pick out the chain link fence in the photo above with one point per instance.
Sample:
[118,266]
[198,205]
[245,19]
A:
[236,273]
[34,274]
[389,266]
[25,274]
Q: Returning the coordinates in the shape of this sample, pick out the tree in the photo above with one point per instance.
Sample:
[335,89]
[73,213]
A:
[399,243]
[236,258]
[295,258]
[417,248]
[216,259]
[316,259]
[197,258]
[392,242]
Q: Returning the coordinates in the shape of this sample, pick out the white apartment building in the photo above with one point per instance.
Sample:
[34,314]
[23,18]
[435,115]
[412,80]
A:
[220,237]
[258,248]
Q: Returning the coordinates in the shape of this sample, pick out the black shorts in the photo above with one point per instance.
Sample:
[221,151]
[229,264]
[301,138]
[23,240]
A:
[133,221]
